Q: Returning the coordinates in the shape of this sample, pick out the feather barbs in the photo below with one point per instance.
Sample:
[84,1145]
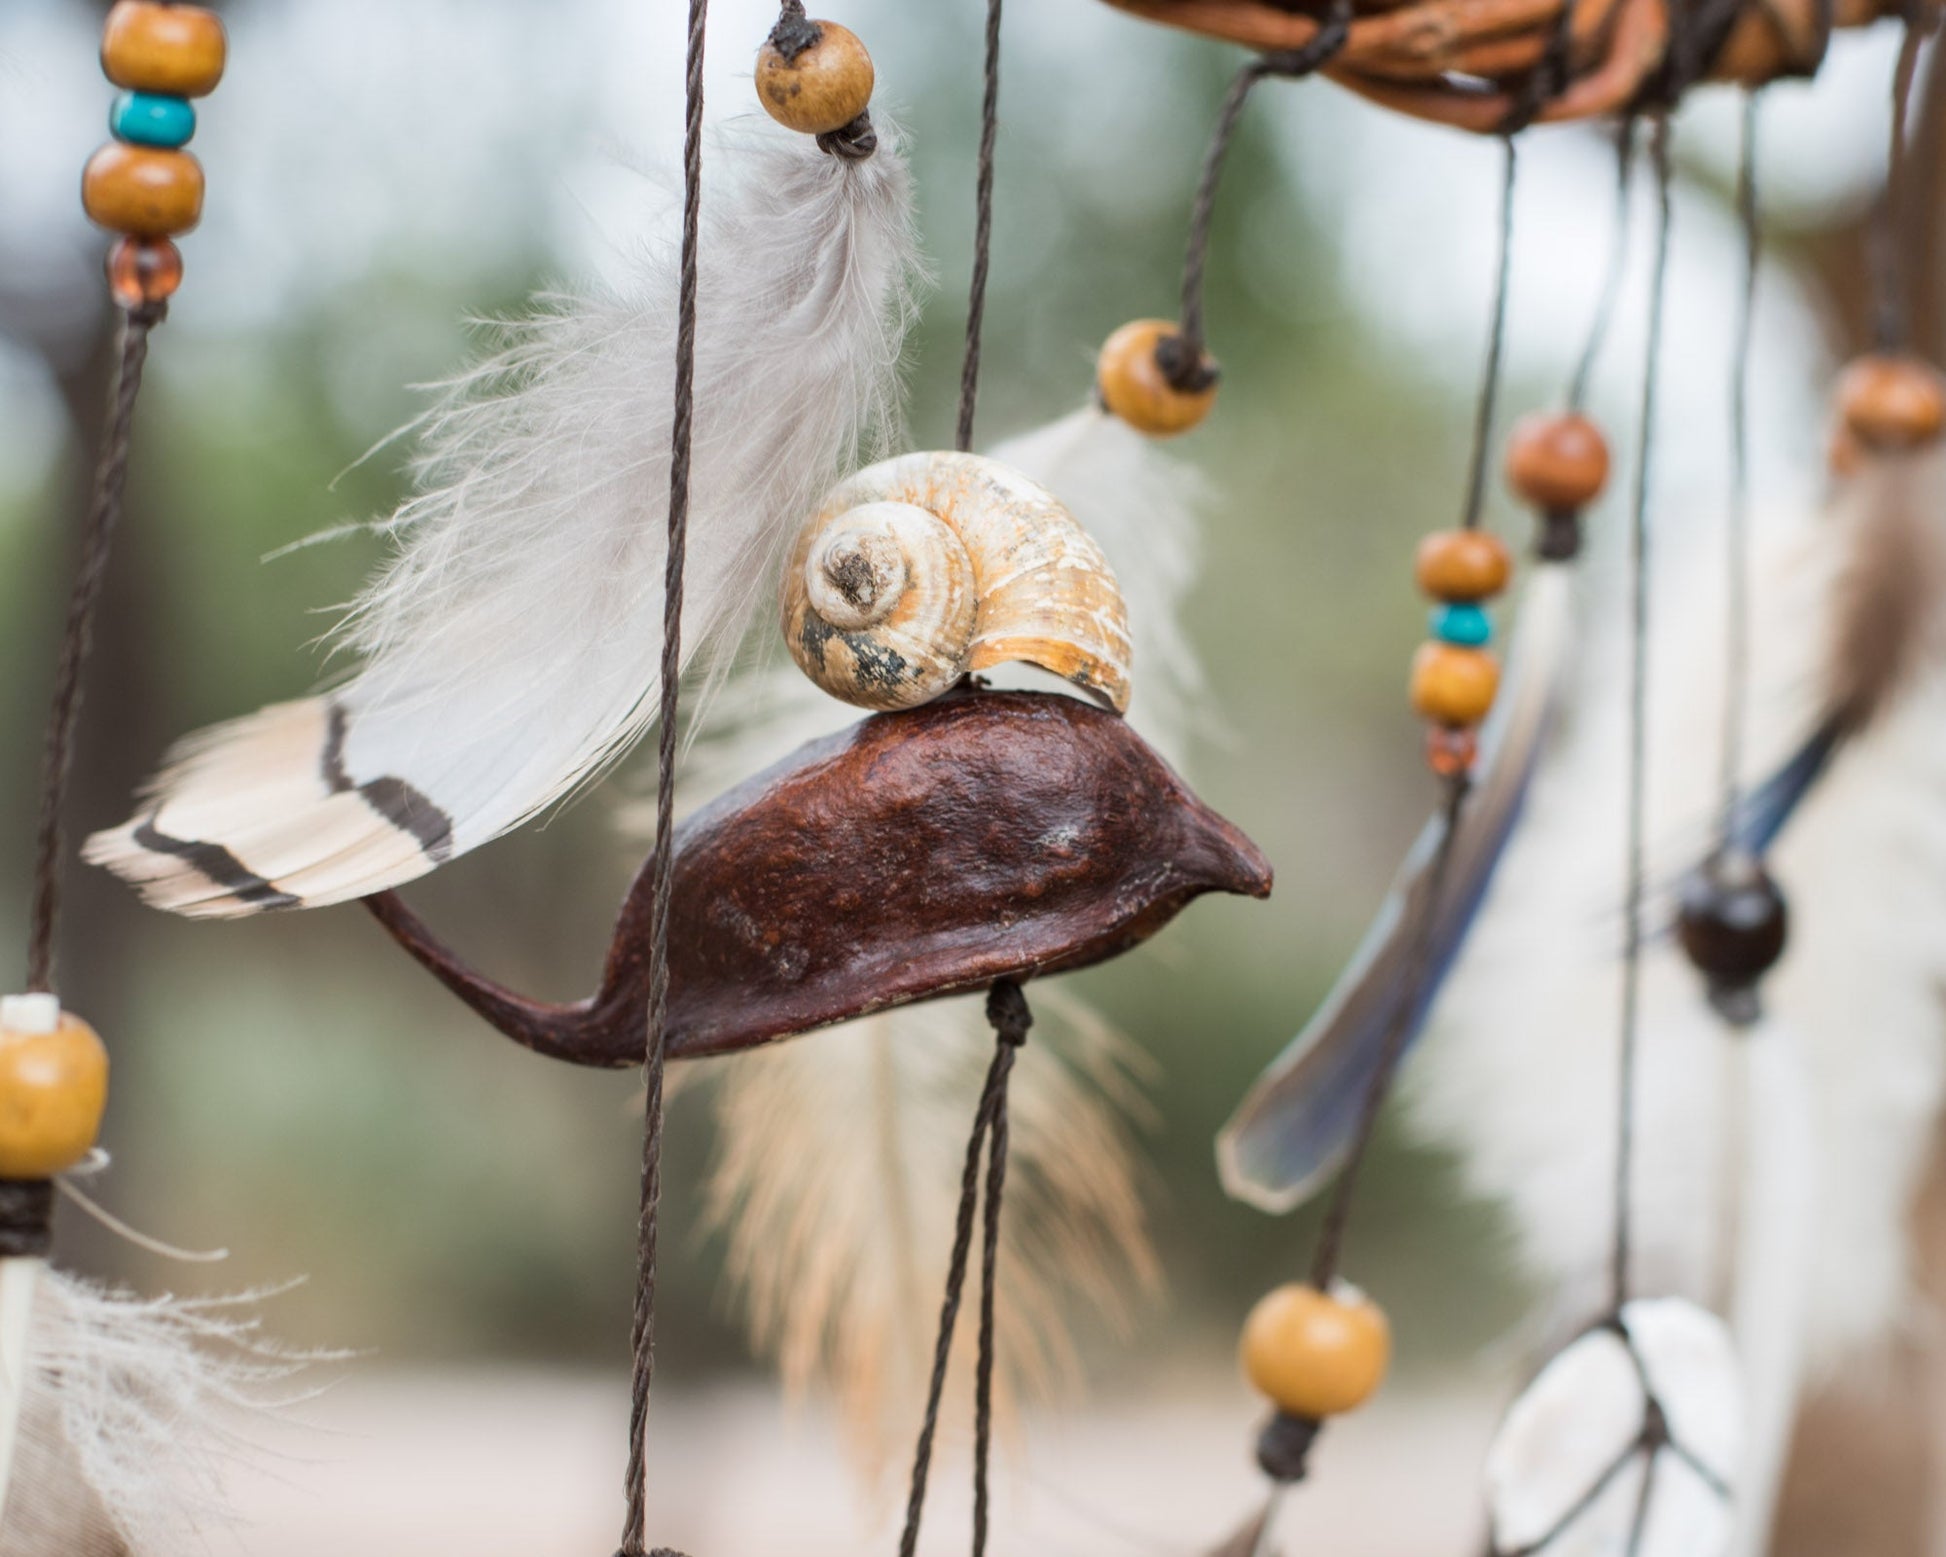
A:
[509,648]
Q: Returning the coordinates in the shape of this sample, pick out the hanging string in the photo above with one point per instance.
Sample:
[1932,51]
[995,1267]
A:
[976,306]
[1635,889]
[77,636]
[1489,397]
[1007,1011]
[1893,325]
[1290,64]
[1736,614]
[642,1333]
[1617,268]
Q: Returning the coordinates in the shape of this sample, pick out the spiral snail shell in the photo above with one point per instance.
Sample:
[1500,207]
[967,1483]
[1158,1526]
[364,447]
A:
[922,569]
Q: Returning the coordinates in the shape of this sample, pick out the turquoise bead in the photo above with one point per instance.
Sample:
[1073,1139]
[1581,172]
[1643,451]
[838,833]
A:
[1466,625]
[151,119]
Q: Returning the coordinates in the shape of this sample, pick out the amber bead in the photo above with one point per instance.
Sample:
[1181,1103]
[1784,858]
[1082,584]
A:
[1314,1355]
[1557,461]
[174,49]
[1892,402]
[53,1089]
[1451,753]
[1463,565]
[144,271]
[1453,686]
[143,192]
[814,77]
[1145,376]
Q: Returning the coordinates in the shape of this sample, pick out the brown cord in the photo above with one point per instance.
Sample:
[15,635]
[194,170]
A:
[1638,713]
[976,305]
[1186,367]
[97,539]
[1007,1011]
[1611,281]
[642,1337]
[1893,324]
[1489,398]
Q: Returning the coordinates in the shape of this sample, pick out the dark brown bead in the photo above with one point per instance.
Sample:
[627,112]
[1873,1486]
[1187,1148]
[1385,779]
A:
[1733,923]
[1557,462]
[1892,402]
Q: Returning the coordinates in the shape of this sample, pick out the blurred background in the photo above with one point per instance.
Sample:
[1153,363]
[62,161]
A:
[293,1090]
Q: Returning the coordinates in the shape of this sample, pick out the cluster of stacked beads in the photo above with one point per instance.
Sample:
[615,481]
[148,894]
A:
[1455,675]
[144,185]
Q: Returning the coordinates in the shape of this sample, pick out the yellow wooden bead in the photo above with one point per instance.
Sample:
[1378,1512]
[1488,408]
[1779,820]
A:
[174,49]
[1134,384]
[1453,686]
[820,87]
[53,1089]
[142,191]
[1463,565]
[1314,1355]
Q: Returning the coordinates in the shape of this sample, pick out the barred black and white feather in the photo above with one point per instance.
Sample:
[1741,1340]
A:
[508,651]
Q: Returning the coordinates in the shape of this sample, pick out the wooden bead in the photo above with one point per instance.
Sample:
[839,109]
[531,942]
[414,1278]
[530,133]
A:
[177,49]
[1313,1355]
[814,77]
[1892,402]
[1557,461]
[1133,376]
[1463,565]
[144,272]
[53,1089]
[143,192]
[1452,686]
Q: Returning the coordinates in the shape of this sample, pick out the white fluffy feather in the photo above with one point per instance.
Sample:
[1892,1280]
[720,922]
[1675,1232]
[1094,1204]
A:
[131,1420]
[509,650]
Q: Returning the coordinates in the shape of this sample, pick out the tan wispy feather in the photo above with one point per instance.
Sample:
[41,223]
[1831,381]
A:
[836,1185]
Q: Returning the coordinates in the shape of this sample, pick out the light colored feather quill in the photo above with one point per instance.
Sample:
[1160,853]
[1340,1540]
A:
[840,1154]
[509,650]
